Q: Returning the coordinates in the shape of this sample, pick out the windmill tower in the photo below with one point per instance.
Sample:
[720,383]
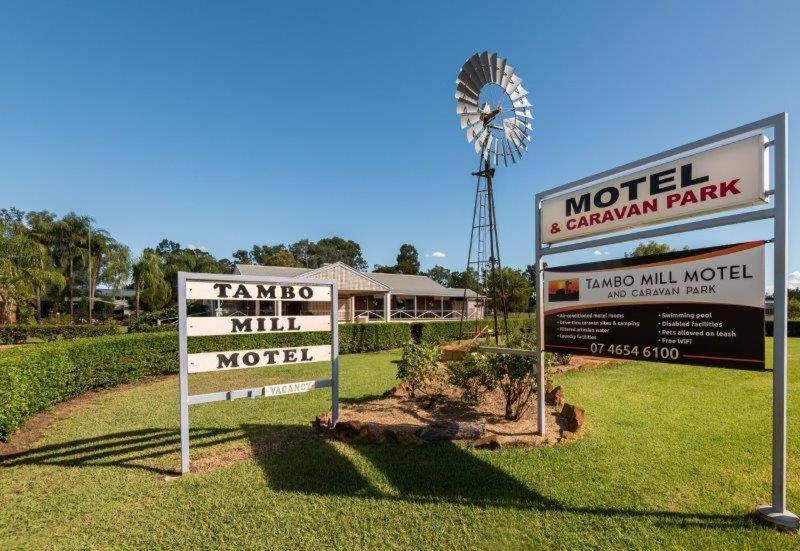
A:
[495,113]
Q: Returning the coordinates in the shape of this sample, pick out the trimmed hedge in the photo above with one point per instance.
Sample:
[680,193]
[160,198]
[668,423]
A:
[438,332]
[33,378]
[16,334]
[792,328]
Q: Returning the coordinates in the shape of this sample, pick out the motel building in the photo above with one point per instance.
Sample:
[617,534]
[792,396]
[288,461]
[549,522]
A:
[363,297]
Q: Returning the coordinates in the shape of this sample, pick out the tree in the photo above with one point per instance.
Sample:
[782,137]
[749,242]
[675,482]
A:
[383,269]
[793,307]
[513,284]
[242,257]
[468,279]
[408,260]
[117,267]
[261,254]
[649,248]
[281,258]
[41,227]
[72,233]
[175,258]
[440,275]
[24,267]
[149,283]
[327,251]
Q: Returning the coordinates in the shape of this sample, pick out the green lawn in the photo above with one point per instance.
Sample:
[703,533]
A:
[673,456]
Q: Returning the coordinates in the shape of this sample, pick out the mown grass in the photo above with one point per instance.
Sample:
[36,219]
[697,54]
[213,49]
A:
[673,456]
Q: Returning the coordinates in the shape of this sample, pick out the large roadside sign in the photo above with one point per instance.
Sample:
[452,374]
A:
[704,306]
[700,307]
[726,177]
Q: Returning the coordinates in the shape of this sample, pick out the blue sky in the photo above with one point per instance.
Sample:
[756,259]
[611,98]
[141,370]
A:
[228,124]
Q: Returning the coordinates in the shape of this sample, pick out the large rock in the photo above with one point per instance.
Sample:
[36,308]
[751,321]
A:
[554,397]
[349,431]
[450,430]
[573,416]
[402,437]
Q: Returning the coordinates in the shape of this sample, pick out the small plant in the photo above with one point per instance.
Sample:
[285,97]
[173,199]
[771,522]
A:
[473,376]
[419,368]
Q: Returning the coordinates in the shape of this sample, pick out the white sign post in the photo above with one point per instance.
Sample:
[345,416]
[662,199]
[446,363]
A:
[218,287]
[724,171]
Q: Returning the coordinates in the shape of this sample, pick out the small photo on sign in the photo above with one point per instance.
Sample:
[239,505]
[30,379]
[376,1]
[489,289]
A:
[563,290]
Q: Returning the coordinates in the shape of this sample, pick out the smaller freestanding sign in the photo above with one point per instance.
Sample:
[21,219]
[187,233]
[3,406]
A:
[218,287]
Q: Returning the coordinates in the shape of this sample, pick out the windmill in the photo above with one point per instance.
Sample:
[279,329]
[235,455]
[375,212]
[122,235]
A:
[495,113]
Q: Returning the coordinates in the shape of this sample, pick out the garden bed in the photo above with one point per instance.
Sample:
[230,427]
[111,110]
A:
[399,418]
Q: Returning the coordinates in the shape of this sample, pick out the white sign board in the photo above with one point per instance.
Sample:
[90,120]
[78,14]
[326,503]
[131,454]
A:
[242,359]
[224,287]
[234,325]
[224,290]
[726,177]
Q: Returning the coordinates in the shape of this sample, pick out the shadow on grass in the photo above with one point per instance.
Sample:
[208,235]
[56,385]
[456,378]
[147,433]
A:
[135,449]
[435,473]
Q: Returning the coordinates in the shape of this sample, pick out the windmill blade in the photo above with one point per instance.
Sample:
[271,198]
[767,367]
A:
[464,108]
[487,73]
[466,91]
[522,102]
[493,67]
[469,120]
[471,75]
[462,97]
[475,64]
[464,79]
[514,82]
[508,126]
[523,124]
[501,66]
[475,131]
[518,92]
[508,72]
[525,113]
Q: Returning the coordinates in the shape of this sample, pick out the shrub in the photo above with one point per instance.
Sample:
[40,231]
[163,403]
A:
[419,368]
[473,376]
[15,334]
[516,376]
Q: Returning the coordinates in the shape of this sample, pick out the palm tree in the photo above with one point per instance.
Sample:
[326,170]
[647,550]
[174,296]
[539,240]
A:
[72,231]
[148,276]
[42,229]
[24,267]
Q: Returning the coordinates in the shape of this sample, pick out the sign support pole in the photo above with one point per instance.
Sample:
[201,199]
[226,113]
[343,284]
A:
[334,354]
[541,426]
[777,513]
[183,383]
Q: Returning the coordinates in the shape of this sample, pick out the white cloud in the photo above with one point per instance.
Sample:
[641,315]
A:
[793,280]
[436,254]
[198,247]
[598,252]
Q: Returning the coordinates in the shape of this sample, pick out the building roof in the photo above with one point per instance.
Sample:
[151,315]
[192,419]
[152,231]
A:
[399,284]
